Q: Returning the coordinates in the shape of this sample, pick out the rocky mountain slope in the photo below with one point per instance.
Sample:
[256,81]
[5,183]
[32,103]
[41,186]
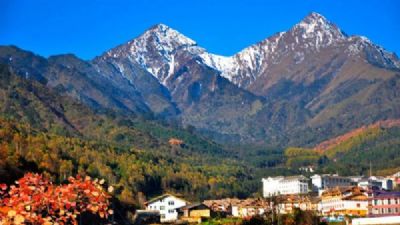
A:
[299,87]
[309,78]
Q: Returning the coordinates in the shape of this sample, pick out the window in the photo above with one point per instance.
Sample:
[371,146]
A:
[388,201]
[171,211]
[162,216]
[171,203]
[162,207]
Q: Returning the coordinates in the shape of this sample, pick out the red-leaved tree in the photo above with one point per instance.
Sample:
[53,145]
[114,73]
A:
[35,200]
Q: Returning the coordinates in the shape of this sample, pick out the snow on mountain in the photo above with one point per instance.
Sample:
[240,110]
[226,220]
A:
[244,65]
[318,28]
[313,32]
[156,50]
[375,53]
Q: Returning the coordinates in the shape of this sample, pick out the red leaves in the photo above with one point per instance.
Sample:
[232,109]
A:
[36,200]
[3,188]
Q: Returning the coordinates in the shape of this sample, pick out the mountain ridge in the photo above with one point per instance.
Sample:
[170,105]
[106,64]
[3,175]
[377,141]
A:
[312,79]
[313,27]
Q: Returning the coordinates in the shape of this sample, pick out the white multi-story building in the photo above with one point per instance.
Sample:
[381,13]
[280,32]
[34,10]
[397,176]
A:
[273,186]
[325,181]
[167,205]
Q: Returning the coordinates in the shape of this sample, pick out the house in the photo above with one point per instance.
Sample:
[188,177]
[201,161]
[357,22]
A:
[250,207]
[273,186]
[287,204]
[325,181]
[194,213]
[167,205]
[383,203]
[222,207]
[342,201]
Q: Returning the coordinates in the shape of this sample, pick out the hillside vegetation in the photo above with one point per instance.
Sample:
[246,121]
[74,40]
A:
[352,152]
[43,131]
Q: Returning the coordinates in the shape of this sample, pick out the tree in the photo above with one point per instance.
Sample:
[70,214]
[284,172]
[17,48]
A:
[35,200]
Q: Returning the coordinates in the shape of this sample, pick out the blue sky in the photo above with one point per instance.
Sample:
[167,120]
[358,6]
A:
[88,28]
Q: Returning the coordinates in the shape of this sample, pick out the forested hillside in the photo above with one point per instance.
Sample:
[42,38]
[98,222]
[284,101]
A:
[353,152]
[43,131]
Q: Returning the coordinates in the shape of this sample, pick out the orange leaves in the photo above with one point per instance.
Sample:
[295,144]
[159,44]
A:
[34,199]
[175,141]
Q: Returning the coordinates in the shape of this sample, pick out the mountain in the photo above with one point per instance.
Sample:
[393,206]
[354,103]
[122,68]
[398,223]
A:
[306,80]
[205,99]
[294,49]
[298,87]
[83,81]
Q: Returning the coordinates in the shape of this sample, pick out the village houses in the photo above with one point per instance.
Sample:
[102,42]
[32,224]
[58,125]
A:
[167,205]
[329,195]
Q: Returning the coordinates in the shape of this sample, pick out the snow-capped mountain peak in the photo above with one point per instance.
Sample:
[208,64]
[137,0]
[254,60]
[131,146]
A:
[165,37]
[318,28]
[161,49]
[154,50]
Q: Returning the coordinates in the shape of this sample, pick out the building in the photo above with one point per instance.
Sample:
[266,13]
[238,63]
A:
[342,201]
[376,182]
[194,213]
[383,203]
[167,205]
[222,207]
[286,204]
[367,183]
[383,182]
[249,207]
[325,181]
[356,179]
[273,186]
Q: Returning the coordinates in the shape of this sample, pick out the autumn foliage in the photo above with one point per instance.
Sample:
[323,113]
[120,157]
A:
[35,200]
[175,141]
